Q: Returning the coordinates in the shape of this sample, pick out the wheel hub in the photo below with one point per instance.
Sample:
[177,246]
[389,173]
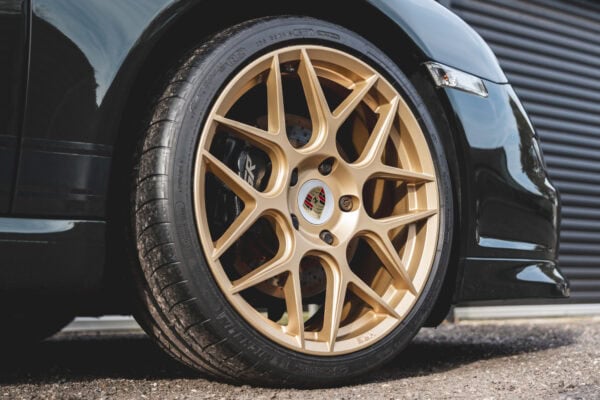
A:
[316,202]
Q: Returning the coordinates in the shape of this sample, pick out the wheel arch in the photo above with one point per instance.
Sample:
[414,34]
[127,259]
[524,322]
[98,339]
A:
[179,27]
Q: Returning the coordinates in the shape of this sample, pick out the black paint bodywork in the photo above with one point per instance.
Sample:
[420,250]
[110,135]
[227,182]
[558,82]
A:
[30,250]
[509,237]
[14,26]
[77,82]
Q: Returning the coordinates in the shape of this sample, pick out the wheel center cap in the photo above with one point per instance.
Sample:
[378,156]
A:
[315,201]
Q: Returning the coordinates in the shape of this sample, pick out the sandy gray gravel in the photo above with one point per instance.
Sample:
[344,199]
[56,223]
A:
[549,359]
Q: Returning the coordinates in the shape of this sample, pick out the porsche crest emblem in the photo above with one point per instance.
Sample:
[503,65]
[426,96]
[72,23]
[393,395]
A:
[314,202]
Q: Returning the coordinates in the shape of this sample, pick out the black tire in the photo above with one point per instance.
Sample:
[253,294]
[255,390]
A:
[183,308]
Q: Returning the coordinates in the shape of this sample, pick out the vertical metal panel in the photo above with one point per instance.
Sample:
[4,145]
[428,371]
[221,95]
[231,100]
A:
[550,51]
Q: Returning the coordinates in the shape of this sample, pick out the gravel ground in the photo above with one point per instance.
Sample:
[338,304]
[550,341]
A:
[545,359]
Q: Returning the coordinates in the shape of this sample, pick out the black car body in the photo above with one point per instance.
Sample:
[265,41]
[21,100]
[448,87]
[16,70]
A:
[75,82]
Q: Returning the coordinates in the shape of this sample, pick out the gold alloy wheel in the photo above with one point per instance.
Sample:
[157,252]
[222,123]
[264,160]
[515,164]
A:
[349,201]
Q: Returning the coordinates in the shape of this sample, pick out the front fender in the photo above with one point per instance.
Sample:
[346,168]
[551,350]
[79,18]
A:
[84,57]
[443,37]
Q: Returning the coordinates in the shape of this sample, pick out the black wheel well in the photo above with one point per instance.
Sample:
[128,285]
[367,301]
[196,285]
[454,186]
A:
[202,21]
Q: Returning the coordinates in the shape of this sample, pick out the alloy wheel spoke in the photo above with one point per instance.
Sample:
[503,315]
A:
[278,265]
[238,227]
[334,303]
[410,242]
[276,111]
[398,221]
[293,301]
[374,147]
[243,190]
[347,107]
[318,108]
[395,173]
[371,297]
[232,180]
[251,133]
[384,249]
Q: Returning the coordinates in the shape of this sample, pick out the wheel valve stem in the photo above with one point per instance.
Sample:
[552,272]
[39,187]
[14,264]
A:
[327,237]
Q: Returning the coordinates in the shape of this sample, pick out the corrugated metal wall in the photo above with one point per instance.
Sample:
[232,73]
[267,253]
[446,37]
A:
[550,51]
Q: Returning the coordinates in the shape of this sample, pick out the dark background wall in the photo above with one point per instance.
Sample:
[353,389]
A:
[550,51]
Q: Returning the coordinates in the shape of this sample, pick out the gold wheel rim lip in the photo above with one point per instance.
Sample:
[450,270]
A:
[380,325]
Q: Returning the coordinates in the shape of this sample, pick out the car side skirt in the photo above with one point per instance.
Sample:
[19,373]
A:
[51,257]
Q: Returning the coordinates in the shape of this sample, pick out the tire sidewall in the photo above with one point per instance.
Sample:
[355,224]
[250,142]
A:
[220,61]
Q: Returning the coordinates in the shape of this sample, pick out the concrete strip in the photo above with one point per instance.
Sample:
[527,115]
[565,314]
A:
[528,311]
[105,323]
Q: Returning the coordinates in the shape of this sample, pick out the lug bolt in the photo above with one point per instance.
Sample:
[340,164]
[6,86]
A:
[294,178]
[327,237]
[326,167]
[346,203]
[295,222]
